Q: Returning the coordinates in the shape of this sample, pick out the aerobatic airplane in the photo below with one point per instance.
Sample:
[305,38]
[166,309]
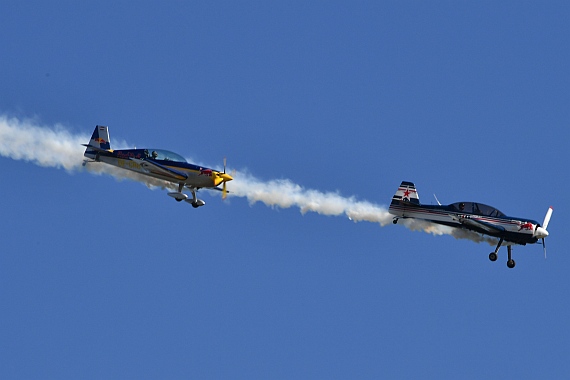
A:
[158,163]
[471,216]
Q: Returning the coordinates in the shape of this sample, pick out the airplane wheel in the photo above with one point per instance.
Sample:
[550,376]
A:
[178,200]
[395,221]
[195,205]
[493,256]
[511,263]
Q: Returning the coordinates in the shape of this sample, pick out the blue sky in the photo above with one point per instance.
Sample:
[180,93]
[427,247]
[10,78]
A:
[103,278]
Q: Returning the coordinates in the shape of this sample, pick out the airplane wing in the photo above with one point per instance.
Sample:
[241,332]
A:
[155,168]
[217,188]
[209,188]
[95,148]
[479,224]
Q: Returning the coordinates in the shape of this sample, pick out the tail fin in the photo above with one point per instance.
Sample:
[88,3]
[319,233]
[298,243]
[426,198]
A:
[99,140]
[406,193]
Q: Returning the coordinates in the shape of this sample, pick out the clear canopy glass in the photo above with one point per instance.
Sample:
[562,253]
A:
[477,208]
[165,155]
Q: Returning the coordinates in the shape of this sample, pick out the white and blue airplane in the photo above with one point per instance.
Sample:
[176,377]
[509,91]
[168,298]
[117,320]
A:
[157,163]
[471,216]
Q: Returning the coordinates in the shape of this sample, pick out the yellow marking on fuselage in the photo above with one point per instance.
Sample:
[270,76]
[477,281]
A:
[188,170]
[199,174]
[128,164]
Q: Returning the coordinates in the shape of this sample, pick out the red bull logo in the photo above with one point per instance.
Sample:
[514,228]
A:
[526,226]
[126,155]
[100,140]
[206,172]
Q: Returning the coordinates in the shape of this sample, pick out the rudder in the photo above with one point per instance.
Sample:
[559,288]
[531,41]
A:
[406,193]
[100,138]
[99,142]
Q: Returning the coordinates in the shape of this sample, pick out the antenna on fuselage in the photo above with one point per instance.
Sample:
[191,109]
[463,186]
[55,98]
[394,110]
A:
[437,200]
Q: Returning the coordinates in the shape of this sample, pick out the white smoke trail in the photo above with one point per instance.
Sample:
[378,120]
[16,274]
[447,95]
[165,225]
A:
[56,147]
[50,147]
[285,194]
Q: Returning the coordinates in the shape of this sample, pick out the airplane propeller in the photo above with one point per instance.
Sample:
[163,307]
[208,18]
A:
[541,231]
[224,187]
[225,177]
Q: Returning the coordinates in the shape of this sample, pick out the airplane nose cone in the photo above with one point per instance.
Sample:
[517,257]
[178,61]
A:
[540,233]
[219,177]
[226,177]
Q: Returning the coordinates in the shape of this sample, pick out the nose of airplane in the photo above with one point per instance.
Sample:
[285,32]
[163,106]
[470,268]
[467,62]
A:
[540,233]
[219,177]
[226,177]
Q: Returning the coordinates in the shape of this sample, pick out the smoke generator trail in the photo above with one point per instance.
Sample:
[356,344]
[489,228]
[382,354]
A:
[54,146]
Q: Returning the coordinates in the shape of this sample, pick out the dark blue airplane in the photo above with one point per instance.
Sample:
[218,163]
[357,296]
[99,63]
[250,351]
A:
[471,216]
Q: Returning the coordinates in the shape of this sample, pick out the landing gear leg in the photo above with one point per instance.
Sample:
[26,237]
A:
[180,187]
[493,255]
[510,263]
[195,202]
[179,196]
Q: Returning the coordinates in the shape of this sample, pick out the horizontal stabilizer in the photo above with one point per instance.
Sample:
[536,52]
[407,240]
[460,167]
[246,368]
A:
[96,148]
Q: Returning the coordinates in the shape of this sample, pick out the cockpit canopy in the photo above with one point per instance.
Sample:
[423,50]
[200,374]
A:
[476,208]
[165,155]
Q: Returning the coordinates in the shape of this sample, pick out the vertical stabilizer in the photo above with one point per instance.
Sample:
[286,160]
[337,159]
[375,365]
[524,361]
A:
[100,138]
[99,141]
[406,193]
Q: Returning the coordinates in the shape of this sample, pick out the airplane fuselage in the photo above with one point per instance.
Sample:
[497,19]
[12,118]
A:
[493,223]
[160,164]
[133,159]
